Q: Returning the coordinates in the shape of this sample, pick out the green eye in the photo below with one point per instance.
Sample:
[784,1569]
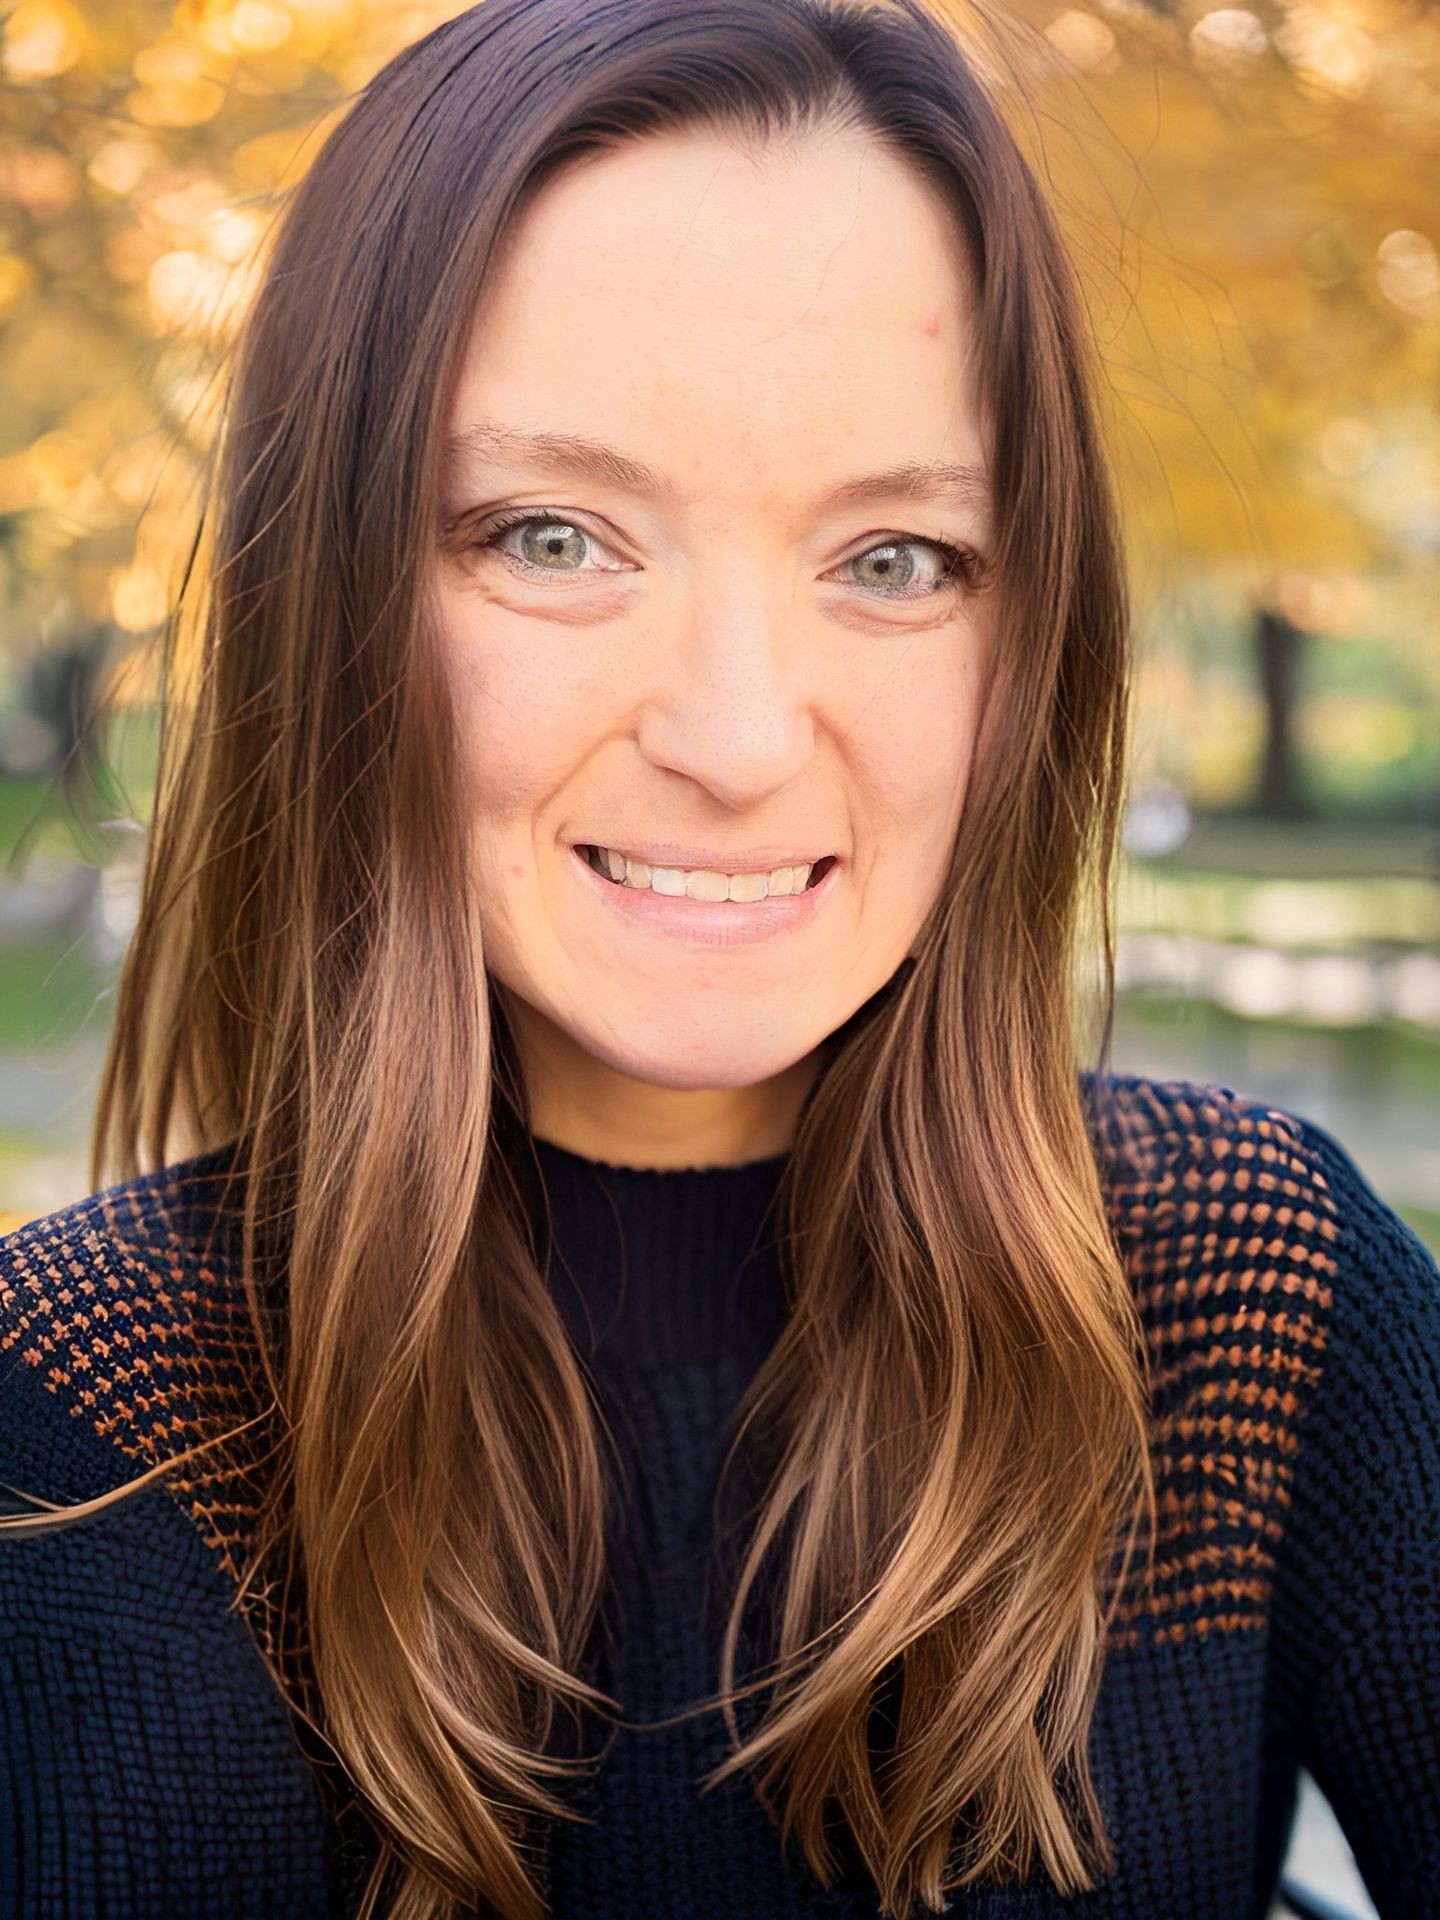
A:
[895,573]
[552,544]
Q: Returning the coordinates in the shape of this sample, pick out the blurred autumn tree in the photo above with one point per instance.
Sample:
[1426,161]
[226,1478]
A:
[1253,197]
[1258,198]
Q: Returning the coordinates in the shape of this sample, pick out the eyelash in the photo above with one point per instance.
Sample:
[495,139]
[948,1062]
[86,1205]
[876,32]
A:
[961,563]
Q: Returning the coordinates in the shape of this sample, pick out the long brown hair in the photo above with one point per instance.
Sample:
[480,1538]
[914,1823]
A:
[955,1415]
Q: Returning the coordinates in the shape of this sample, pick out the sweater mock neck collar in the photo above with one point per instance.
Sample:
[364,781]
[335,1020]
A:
[663,1266]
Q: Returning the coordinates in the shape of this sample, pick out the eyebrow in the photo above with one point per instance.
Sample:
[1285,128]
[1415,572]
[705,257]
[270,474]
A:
[948,480]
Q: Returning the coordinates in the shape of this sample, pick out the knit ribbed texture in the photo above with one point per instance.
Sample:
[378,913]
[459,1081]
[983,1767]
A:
[148,1765]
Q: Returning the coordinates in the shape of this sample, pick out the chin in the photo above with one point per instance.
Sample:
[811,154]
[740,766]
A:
[688,1065]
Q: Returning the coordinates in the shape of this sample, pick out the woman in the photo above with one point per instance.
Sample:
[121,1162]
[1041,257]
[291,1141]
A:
[659,456]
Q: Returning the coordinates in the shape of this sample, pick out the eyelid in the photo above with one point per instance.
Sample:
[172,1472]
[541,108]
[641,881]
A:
[899,536]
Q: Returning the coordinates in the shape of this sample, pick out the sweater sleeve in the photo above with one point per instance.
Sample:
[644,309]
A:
[1359,1634]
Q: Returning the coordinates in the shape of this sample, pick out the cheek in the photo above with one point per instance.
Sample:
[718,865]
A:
[522,719]
[910,739]
[943,741]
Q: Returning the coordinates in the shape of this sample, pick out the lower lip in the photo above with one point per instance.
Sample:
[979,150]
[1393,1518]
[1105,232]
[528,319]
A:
[709,923]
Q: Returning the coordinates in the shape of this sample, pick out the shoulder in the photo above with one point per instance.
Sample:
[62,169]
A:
[1212,1194]
[1216,1197]
[1185,1153]
[1282,1302]
[121,1318]
[133,1700]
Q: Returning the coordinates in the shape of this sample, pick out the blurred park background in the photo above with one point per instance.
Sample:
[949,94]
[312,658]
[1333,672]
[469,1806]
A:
[1253,200]
[1252,195]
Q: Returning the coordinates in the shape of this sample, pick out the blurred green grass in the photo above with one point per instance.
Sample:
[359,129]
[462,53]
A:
[54,991]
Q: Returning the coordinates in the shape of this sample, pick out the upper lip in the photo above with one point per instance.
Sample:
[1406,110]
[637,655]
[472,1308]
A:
[668,853]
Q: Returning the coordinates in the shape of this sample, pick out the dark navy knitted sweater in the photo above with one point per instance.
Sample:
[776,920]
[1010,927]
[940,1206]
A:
[150,1767]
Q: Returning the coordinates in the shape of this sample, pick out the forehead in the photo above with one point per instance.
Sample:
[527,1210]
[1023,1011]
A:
[728,315]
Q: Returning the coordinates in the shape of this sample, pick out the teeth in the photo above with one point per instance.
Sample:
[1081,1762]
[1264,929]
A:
[701,883]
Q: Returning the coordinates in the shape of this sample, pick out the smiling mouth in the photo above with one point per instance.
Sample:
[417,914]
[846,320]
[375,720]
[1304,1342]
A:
[590,855]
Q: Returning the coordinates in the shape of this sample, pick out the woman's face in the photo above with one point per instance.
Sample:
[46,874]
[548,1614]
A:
[729,655]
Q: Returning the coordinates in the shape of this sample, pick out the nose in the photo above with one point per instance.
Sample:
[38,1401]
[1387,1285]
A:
[732,710]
